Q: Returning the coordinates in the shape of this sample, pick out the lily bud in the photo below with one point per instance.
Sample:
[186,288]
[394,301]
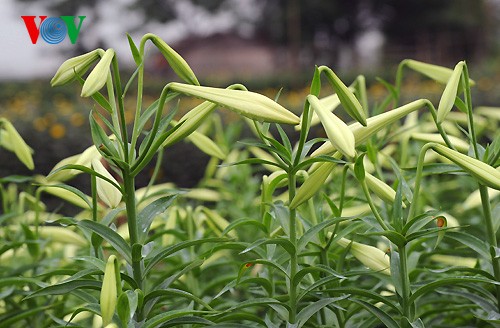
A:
[312,184]
[450,93]
[74,67]
[347,98]
[178,64]
[246,103]
[62,235]
[17,144]
[373,125]
[190,122]
[458,143]
[337,131]
[109,292]
[437,73]
[485,173]
[99,75]
[105,190]
[370,256]
[206,145]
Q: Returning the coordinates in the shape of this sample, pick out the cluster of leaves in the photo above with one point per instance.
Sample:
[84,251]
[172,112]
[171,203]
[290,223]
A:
[354,230]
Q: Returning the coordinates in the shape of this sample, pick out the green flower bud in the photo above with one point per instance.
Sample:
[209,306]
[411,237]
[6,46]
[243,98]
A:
[16,143]
[62,235]
[483,172]
[190,122]
[347,98]
[450,93]
[206,145]
[459,144]
[373,125]
[246,103]
[337,131]
[370,256]
[73,67]
[109,292]
[437,73]
[312,184]
[99,75]
[178,64]
[105,190]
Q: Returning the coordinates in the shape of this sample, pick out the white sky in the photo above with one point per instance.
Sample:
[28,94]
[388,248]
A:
[20,59]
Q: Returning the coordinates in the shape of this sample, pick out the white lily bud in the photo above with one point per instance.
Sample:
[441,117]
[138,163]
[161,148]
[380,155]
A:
[246,103]
[485,173]
[450,93]
[312,184]
[370,256]
[109,293]
[105,190]
[99,75]
[459,144]
[74,67]
[337,131]
[17,144]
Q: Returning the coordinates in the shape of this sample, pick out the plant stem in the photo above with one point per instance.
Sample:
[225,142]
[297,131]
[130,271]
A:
[130,202]
[374,210]
[405,284]
[293,240]
[492,238]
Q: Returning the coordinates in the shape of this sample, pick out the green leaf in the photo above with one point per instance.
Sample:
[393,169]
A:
[100,138]
[312,269]
[311,233]
[16,316]
[307,312]
[161,318]
[175,292]
[147,215]
[241,222]
[112,237]
[135,52]
[469,240]
[431,286]
[156,257]
[188,320]
[285,243]
[359,168]
[66,287]
[381,315]
[86,170]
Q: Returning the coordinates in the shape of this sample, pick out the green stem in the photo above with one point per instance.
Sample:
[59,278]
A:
[130,202]
[373,208]
[405,284]
[491,235]
[418,181]
[293,240]
[121,109]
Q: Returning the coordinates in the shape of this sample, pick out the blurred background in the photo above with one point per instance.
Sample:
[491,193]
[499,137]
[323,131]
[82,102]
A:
[266,44]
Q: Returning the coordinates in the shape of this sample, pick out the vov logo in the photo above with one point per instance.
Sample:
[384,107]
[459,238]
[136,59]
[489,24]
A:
[53,29]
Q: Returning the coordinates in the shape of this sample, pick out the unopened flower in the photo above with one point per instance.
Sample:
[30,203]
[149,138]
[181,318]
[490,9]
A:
[190,122]
[346,96]
[99,75]
[178,64]
[108,193]
[109,292]
[246,103]
[74,67]
[373,125]
[437,73]
[16,143]
[312,184]
[458,143]
[370,256]
[450,93]
[485,173]
[337,131]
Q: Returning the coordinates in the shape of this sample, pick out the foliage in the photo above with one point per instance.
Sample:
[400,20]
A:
[359,229]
